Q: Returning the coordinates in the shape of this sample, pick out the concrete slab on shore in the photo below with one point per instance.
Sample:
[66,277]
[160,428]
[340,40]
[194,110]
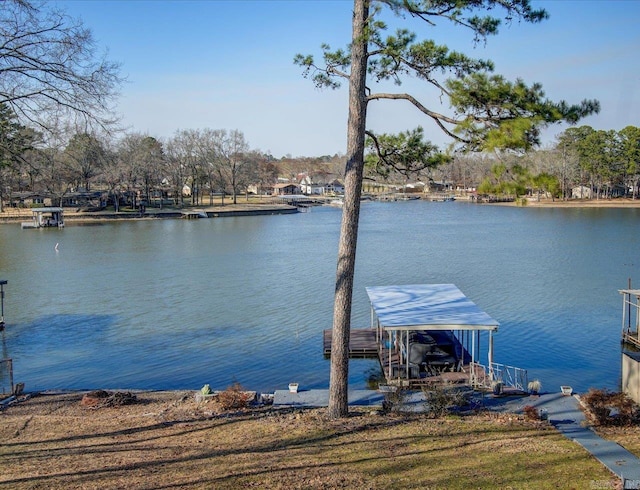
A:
[320,398]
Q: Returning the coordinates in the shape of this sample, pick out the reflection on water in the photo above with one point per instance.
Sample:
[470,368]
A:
[180,303]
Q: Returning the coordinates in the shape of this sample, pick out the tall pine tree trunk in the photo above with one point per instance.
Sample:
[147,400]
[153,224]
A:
[356,125]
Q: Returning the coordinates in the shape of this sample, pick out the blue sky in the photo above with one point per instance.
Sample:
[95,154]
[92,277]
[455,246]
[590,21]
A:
[227,64]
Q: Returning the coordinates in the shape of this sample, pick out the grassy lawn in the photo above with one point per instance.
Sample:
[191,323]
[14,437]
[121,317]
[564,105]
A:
[168,440]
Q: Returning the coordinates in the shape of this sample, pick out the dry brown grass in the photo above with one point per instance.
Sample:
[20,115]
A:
[168,440]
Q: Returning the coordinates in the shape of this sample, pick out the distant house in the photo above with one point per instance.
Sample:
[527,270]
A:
[581,192]
[604,192]
[334,187]
[309,187]
[83,198]
[617,190]
[438,186]
[29,199]
[262,189]
[415,187]
[285,189]
[314,187]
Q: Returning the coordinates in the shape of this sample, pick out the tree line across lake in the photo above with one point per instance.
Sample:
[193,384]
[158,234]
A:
[136,167]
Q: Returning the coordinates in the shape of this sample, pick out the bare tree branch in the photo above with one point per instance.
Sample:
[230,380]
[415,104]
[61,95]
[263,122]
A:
[436,117]
[49,66]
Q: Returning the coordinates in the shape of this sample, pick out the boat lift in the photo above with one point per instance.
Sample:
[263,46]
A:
[45,218]
[400,313]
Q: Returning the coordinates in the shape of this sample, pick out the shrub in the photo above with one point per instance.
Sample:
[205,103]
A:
[233,398]
[531,412]
[610,408]
[395,399]
[441,399]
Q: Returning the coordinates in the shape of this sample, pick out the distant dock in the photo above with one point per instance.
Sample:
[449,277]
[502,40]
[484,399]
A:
[12,215]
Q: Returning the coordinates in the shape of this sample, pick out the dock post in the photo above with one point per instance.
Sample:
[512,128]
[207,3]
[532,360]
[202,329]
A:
[2,283]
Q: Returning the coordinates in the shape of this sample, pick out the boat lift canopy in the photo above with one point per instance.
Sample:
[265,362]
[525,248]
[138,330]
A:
[401,309]
[427,307]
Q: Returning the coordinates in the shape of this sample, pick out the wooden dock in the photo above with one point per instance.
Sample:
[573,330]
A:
[362,343]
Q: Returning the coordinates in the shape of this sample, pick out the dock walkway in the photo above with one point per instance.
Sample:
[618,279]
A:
[362,343]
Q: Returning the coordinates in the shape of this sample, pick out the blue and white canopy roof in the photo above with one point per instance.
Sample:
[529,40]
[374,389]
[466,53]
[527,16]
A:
[427,307]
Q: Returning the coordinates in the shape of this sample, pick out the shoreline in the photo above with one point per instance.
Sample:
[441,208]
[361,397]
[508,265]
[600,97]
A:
[13,215]
[71,215]
[618,203]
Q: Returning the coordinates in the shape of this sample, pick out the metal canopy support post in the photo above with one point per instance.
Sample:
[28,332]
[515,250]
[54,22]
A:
[406,354]
[392,338]
[490,355]
[472,373]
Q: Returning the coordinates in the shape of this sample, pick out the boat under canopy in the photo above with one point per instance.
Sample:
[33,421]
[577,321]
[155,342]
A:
[428,330]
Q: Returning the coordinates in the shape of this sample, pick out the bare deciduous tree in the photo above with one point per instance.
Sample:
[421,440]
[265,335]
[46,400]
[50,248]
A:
[85,157]
[49,67]
[233,164]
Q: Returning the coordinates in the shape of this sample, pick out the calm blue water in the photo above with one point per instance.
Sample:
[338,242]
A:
[175,304]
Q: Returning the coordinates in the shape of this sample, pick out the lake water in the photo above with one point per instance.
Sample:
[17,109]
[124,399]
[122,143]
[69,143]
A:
[175,304]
